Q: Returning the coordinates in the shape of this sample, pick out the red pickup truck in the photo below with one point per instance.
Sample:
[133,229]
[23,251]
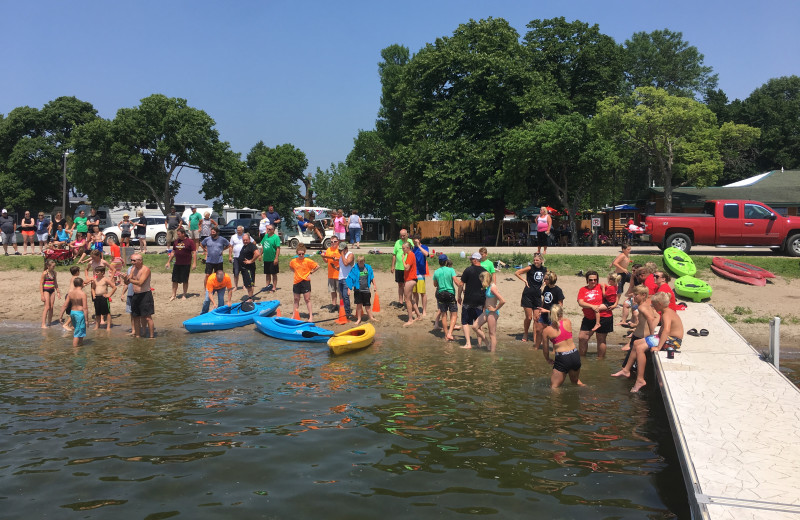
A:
[725,222]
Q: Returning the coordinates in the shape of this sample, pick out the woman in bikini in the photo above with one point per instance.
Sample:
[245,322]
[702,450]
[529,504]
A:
[567,359]
[48,286]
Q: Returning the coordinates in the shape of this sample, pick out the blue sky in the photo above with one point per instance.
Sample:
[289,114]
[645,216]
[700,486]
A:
[305,73]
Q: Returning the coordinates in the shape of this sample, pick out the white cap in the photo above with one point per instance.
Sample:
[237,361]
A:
[5,210]
[476,256]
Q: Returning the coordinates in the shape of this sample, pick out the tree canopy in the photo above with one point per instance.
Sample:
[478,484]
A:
[144,149]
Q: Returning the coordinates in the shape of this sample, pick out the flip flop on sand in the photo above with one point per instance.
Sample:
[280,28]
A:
[703,332]
[693,332]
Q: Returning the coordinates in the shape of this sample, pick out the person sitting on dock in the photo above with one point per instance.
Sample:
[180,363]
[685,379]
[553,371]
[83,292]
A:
[638,345]
[671,333]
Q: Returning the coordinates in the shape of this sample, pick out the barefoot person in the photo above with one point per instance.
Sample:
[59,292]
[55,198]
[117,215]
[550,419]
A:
[361,281]
[48,287]
[76,303]
[620,265]
[103,287]
[567,359]
[590,298]
[445,282]
[270,253]
[551,295]
[142,305]
[491,309]
[184,252]
[410,281]
[648,320]
[302,268]
[532,293]
[331,257]
[471,297]
[397,266]
[218,284]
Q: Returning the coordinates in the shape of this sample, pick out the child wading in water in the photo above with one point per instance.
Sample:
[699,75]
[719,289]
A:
[48,285]
[491,309]
[609,297]
[75,304]
[103,287]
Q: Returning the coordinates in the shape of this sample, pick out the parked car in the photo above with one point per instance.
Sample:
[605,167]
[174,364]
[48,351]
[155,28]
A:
[156,231]
[250,226]
[725,223]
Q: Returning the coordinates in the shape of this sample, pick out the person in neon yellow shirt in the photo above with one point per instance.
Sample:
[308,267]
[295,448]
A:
[398,269]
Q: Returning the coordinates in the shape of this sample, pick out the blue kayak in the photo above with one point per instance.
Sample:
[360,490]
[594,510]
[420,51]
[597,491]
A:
[229,317]
[292,330]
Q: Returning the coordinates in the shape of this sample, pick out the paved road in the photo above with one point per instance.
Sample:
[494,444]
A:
[602,251]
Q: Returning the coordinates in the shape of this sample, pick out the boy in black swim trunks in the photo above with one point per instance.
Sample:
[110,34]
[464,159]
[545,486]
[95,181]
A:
[103,287]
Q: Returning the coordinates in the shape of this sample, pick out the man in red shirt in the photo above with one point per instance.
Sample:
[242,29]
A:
[590,298]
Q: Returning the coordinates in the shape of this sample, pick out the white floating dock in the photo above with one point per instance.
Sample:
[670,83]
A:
[736,423]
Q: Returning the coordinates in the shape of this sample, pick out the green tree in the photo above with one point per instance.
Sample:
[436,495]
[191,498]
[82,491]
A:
[335,187]
[678,135]
[460,95]
[585,64]
[372,166]
[32,144]
[565,152]
[774,107]
[267,176]
[144,149]
[662,59]
[738,151]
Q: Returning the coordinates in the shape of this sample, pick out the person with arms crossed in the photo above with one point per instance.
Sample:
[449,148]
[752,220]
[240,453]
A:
[271,251]
[185,254]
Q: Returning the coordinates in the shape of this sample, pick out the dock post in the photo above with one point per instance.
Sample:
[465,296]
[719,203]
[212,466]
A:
[775,341]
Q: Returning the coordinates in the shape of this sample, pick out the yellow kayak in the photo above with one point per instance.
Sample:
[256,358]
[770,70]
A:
[352,339]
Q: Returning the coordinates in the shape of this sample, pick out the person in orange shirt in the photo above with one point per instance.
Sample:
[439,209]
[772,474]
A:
[218,284]
[331,255]
[303,268]
[410,277]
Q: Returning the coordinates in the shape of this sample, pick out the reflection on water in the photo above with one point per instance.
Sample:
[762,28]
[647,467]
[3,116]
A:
[236,424]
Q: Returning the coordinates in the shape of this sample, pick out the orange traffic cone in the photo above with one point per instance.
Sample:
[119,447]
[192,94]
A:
[342,318]
[376,305]
[278,312]
[296,315]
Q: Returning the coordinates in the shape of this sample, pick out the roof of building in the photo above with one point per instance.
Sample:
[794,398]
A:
[775,188]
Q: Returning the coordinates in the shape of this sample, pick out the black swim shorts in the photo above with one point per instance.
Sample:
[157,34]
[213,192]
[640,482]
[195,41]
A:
[142,304]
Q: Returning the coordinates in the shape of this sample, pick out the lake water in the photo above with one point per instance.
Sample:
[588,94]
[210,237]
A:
[236,425]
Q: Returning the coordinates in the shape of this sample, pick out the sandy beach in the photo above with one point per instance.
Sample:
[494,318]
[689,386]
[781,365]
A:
[778,297]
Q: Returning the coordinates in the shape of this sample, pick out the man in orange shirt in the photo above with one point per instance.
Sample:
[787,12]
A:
[303,268]
[331,255]
[218,284]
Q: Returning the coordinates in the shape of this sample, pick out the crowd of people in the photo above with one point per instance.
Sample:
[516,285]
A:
[647,306]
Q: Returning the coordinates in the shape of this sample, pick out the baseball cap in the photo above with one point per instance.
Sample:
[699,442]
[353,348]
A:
[476,256]
[342,245]
[443,257]
[5,210]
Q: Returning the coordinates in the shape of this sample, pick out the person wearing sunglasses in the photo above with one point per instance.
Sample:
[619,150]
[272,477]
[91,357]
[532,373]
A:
[590,299]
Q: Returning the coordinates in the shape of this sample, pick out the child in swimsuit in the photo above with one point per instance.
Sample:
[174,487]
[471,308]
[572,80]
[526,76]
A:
[96,260]
[491,308]
[567,359]
[49,291]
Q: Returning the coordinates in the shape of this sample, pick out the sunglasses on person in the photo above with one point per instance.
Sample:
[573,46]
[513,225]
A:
[593,279]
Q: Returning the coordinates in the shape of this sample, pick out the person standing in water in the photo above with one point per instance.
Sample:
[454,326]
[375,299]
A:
[76,301]
[567,359]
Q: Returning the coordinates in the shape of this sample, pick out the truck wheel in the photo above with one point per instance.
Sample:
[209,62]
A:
[793,245]
[679,241]
[293,243]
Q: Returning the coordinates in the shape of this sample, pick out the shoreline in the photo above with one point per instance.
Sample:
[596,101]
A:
[741,302]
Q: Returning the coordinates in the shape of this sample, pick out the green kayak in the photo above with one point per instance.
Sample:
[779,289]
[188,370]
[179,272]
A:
[691,287]
[679,262]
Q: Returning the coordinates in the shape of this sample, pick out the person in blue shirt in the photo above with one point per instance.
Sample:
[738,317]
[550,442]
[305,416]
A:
[421,253]
[306,223]
[361,281]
